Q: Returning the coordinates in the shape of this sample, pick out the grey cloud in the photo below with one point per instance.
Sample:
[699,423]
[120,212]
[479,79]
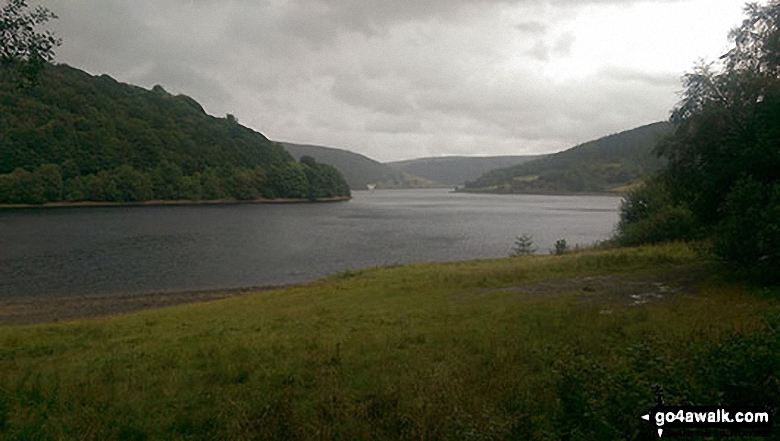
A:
[387,79]
[387,98]
[183,79]
[663,79]
[563,45]
[373,16]
[532,27]
[544,50]
[393,124]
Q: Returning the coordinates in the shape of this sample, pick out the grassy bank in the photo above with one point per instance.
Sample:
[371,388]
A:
[553,347]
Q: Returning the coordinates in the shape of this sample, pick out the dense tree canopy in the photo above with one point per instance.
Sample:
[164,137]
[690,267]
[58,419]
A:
[724,154]
[85,138]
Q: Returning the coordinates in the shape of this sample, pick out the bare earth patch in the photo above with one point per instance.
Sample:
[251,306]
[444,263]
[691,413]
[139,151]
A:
[616,289]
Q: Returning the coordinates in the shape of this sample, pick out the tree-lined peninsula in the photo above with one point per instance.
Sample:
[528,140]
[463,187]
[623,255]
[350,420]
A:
[75,137]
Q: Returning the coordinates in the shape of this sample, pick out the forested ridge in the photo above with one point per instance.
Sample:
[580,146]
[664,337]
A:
[77,137]
[359,170]
[601,165]
[457,170]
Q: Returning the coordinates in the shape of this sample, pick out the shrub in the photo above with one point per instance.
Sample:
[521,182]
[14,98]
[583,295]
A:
[560,247]
[524,245]
[649,215]
[748,235]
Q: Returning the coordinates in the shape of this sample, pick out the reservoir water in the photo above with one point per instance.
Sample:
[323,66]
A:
[58,252]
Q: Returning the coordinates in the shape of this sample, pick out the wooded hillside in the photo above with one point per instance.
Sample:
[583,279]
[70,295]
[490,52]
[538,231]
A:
[78,137]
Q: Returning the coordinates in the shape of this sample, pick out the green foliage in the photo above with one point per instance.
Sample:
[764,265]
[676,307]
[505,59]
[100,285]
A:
[21,186]
[457,170]
[357,170]
[50,180]
[289,180]
[723,157]
[595,166]
[167,181]
[324,180]
[23,50]
[524,245]
[94,139]
[737,369]
[131,185]
[212,187]
[243,184]
[560,247]
[648,215]
[749,232]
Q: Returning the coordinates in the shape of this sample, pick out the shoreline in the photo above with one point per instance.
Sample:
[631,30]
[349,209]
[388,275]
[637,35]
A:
[21,312]
[546,193]
[163,202]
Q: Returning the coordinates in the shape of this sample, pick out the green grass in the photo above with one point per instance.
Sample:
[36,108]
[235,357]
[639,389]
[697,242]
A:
[425,351]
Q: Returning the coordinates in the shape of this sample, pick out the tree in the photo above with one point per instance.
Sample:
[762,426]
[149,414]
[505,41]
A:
[648,215]
[524,246]
[724,155]
[243,184]
[211,185]
[191,189]
[23,187]
[24,49]
[757,41]
[560,248]
[167,181]
[131,185]
[50,180]
[288,180]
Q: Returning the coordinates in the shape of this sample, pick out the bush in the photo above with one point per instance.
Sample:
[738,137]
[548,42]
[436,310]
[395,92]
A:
[649,215]
[560,247]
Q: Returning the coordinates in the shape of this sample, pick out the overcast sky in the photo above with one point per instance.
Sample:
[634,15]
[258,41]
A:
[398,79]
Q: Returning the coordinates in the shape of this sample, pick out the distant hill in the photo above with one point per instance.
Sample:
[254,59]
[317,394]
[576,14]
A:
[606,164]
[359,170]
[457,170]
[78,137]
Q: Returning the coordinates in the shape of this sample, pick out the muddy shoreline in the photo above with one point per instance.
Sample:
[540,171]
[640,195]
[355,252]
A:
[52,310]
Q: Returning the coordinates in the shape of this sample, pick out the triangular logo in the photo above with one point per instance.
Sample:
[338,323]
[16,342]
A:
[660,432]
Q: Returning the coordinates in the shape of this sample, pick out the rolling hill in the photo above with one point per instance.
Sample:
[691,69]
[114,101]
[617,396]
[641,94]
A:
[359,170]
[602,165]
[457,170]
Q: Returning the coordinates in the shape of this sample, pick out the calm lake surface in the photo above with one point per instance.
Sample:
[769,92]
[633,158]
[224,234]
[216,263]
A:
[120,250]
